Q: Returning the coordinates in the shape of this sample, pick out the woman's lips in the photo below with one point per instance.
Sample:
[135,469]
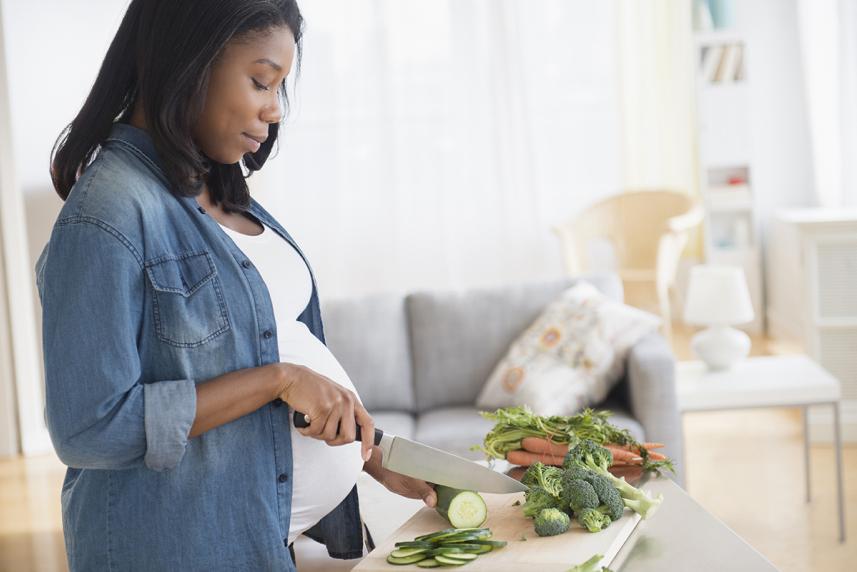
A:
[252,143]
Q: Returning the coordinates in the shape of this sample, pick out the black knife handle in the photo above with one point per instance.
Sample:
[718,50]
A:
[301,421]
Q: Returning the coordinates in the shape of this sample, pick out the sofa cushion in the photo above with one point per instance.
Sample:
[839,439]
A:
[458,337]
[395,423]
[453,429]
[369,337]
[570,357]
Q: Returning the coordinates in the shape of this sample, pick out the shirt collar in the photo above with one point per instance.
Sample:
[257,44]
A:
[137,138]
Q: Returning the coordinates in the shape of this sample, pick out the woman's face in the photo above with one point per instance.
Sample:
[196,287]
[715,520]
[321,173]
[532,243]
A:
[243,95]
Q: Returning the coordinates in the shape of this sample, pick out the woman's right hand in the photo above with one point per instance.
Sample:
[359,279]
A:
[334,411]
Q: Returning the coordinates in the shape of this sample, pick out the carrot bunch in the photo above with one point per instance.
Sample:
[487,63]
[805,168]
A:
[542,450]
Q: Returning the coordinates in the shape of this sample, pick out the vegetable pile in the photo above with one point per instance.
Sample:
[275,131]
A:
[581,488]
[448,547]
[523,438]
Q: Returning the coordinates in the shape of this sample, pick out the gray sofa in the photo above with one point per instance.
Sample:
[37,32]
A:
[419,361]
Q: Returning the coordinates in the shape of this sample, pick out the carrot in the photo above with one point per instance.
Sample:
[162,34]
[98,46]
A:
[657,456]
[527,458]
[541,445]
[651,446]
[620,454]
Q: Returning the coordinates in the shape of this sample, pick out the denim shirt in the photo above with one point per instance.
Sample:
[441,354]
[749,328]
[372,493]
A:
[144,296]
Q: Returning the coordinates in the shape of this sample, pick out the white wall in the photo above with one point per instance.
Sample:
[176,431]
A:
[782,165]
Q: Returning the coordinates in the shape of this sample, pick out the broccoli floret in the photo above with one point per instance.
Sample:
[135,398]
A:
[552,521]
[538,499]
[593,519]
[577,494]
[548,478]
[591,456]
[610,500]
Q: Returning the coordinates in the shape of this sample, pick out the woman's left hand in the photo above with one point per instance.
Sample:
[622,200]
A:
[408,487]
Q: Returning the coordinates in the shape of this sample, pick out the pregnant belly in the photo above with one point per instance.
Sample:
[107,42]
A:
[322,475]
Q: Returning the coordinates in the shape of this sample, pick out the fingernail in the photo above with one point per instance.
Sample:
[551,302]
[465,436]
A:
[367,455]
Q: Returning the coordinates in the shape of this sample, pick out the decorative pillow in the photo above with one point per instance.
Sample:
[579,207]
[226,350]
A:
[570,357]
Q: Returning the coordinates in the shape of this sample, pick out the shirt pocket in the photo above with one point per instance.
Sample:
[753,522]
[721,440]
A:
[187,299]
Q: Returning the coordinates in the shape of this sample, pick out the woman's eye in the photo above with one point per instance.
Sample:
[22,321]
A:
[259,86]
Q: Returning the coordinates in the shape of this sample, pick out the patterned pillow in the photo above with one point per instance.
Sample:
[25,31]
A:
[570,357]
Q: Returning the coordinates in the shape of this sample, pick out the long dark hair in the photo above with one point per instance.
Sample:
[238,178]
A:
[163,53]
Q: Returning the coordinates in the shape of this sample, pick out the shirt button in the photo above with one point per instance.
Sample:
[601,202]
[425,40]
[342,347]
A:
[283,478]
[200,209]
[246,264]
[268,334]
[278,402]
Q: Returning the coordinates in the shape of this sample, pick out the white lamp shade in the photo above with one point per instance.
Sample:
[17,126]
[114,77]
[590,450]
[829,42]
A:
[718,295]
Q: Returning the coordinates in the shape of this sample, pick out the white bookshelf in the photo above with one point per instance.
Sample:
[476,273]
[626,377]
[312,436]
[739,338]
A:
[731,226]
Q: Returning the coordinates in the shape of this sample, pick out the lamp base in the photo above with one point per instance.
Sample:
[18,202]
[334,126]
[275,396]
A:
[720,346]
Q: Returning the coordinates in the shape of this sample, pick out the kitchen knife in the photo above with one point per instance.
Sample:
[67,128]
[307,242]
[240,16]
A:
[433,465]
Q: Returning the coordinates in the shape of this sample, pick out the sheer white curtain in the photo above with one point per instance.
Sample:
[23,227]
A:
[828,37]
[657,85]
[432,144]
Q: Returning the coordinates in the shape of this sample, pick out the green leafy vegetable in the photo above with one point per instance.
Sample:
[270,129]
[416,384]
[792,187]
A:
[512,424]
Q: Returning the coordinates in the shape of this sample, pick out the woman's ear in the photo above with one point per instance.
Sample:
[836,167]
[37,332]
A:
[255,161]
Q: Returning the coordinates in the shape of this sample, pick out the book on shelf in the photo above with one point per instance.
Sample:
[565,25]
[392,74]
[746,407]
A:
[729,59]
[710,60]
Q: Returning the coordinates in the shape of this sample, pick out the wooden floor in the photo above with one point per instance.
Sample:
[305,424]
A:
[745,467]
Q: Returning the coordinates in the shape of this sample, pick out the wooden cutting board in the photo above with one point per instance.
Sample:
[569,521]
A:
[507,522]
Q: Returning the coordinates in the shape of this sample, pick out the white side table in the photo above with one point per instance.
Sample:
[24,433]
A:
[760,382]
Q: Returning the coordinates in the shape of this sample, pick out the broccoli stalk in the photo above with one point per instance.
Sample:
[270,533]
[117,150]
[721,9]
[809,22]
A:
[591,565]
[591,456]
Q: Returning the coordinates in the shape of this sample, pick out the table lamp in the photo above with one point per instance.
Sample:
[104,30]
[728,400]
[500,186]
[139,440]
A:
[718,298]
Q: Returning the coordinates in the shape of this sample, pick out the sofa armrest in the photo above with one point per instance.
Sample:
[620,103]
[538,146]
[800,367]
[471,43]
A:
[652,397]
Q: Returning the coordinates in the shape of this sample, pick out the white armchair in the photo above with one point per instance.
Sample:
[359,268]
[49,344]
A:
[648,230]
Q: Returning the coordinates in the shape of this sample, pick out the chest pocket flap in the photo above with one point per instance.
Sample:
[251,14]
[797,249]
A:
[187,299]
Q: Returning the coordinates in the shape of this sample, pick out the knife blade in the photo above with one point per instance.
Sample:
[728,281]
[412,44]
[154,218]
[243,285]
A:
[433,465]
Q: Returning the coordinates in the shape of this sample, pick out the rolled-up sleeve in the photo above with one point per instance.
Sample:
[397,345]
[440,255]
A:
[99,412]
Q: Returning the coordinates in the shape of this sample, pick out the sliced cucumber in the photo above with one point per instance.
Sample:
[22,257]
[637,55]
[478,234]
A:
[405,560]
[463,509]
[465,546]
[438,534]
[449,561]
[428,563]
[491,543]
[466,556]
[405,552]
[414,544]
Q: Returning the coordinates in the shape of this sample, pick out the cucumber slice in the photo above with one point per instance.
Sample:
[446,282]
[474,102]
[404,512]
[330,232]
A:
[463,546]
[463,509]
[449,561]
[491,543]
[466,556]
[405,552]
[413,559]
[483,548]
[439,533]
[428,563]
[414,544]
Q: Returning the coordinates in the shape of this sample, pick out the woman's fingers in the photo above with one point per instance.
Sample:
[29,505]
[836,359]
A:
[331,426]
[367,428]
[347,426]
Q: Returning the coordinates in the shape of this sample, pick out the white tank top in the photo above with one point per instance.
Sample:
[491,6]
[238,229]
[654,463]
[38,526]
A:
[322,475]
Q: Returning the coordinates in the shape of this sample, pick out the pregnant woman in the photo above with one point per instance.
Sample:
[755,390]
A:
[181,322]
